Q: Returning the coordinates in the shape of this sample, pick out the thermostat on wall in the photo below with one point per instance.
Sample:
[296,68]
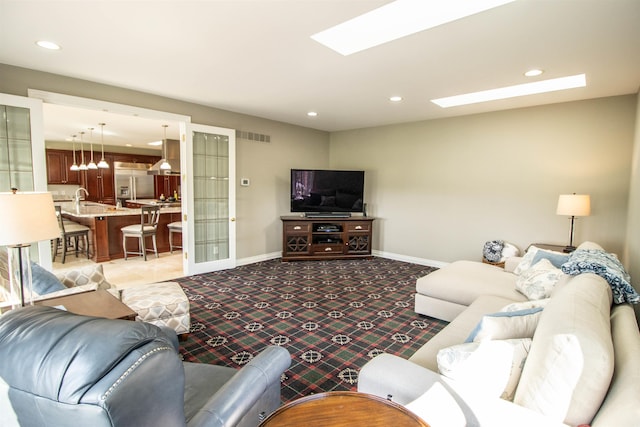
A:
[245,182]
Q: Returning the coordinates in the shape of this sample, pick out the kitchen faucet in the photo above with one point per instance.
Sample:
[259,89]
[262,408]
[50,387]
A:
[77,198]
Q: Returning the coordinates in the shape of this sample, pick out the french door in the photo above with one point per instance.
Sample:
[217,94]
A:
[208,168]
[22,159]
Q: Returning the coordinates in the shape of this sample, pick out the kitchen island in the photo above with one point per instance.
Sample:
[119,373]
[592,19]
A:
[105,222]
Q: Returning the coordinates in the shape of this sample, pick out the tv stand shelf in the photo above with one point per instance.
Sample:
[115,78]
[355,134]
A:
[318,238]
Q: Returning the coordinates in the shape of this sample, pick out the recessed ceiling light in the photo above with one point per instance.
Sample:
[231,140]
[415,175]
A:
[395,98]
[48,45]
[398,19]
[312,114]
[533,73]
[542,86]
[155,143]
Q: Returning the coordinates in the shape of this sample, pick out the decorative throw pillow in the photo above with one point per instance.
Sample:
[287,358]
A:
[44,281]
[538,281]
[607,266]
[494,367]
[556,258]
[506,325]
[525,263]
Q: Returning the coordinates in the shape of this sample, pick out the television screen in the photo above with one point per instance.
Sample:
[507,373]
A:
[314,190]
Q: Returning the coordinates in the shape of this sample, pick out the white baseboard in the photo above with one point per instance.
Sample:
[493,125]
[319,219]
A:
[258,258]
[381,254]
[406,258]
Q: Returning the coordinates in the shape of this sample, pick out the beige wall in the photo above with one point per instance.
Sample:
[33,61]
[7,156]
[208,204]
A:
[633,228]
[441,188]
[268,165]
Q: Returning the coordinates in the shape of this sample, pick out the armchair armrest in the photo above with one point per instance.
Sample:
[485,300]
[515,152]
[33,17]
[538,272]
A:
[87,275]
[238,395]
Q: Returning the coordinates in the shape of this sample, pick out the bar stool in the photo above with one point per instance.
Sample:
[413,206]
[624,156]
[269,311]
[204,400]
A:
[148,227]
[69,230]
[174,227]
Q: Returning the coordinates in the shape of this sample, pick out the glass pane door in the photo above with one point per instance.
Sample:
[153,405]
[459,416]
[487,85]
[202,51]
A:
[16,166]
[210,199]
[22,158]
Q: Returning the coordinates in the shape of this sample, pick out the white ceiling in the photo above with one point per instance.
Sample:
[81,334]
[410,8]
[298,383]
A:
[257,57]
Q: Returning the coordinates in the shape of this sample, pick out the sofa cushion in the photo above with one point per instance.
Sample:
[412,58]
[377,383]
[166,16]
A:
[570,365]
[492,367]
[539,280]
[457,331]
[462,282]
[517,306]
[506,324]
[621,407]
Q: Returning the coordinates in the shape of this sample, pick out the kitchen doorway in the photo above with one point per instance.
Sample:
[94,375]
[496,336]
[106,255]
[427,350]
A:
[92,105]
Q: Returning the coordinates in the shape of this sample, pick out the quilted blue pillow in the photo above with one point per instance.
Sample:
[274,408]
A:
[608,267]
[44,281]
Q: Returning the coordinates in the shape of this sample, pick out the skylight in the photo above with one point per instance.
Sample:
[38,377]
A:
[542,86]
[398,19]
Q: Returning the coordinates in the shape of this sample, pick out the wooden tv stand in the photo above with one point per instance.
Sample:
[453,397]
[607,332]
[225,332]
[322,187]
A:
[326,238]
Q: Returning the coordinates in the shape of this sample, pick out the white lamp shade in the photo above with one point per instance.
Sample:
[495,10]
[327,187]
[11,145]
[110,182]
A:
[27,218]
[574,205]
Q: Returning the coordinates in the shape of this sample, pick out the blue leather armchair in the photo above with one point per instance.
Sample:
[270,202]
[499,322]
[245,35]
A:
[61,369]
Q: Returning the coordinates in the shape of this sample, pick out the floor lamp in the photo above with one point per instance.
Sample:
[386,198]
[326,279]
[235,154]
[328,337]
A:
[26,218]
[573,205]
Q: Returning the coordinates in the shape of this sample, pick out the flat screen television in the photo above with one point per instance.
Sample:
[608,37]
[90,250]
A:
[327,191]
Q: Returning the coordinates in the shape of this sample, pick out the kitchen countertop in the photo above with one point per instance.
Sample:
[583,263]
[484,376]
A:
[92,210]
[154,202]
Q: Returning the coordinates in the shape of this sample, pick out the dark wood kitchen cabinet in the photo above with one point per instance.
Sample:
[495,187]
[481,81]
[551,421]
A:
[58,167]
[100,183]
[167,185]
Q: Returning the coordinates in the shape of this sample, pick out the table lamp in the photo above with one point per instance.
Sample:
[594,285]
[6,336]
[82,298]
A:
[573,205]
[26,218]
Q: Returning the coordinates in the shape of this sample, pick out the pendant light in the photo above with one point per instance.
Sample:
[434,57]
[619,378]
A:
[74,167]
[165,164]
[102,164]
[83,166]
[92,164]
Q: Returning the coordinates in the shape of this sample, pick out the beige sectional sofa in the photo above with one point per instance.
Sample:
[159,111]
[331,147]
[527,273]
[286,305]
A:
[579,364]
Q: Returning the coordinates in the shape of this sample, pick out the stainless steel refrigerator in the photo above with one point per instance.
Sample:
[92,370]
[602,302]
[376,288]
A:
[132,181]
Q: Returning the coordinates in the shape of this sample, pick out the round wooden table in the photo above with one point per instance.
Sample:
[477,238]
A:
[343,408]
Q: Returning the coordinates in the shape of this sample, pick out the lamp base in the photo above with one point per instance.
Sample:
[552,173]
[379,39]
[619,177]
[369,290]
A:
[20,279]
[568,249]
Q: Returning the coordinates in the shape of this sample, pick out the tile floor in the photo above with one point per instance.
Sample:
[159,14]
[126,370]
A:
[134,271]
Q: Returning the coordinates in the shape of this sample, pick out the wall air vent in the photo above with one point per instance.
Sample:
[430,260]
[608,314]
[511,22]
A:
[252,136]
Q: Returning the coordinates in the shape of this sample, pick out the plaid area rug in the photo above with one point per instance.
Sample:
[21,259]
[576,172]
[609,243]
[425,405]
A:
[332,316]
